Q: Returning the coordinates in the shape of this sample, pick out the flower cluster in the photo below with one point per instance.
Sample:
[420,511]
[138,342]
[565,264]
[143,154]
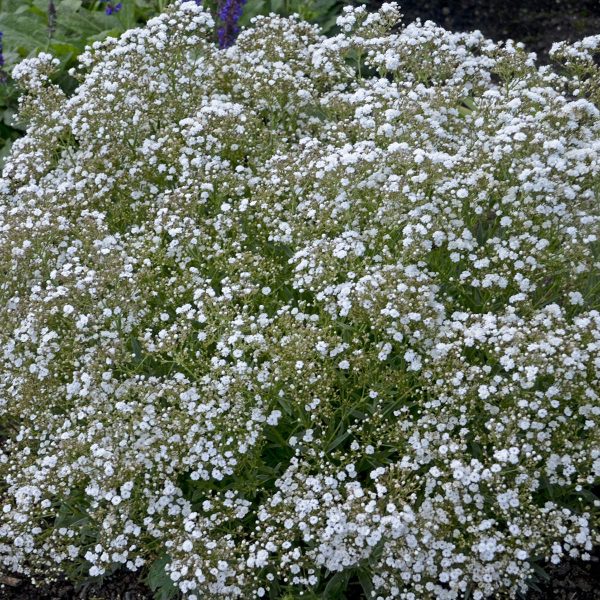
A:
[301,311]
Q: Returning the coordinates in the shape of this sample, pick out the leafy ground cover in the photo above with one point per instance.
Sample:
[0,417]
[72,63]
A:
[355,353]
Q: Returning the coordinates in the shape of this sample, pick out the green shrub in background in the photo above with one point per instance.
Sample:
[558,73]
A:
[65,27]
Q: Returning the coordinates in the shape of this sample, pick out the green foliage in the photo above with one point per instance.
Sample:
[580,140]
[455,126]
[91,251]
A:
[323,12]
[158,581]
[29,29]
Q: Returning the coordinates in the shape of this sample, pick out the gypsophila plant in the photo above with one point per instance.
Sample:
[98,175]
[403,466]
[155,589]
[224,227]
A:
[65,27]
[302,314]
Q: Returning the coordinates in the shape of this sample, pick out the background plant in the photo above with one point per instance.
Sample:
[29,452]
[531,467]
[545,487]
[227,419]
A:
[66,27]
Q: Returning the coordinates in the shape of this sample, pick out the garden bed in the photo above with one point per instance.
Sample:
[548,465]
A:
[572,580]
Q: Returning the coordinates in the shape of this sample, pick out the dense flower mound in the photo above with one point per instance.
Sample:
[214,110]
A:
[304,313]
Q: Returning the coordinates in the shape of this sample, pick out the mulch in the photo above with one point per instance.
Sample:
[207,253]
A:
[571,580]
[120,586]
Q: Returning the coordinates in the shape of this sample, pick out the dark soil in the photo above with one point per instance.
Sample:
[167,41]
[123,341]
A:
[120,586]
[537,23]
[573,580]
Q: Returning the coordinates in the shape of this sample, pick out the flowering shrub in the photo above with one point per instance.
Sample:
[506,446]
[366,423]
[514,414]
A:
[303,313]
[65,27]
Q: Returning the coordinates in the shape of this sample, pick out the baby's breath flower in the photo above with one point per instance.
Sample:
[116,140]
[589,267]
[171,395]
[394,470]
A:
[302,306]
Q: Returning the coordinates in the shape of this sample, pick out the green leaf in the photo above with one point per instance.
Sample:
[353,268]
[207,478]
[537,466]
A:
[467,106]
[22,9]
[287,408]
[103,35]
[9,118]
[68,5]
[136,350]
[23,33]
[64,50]
[277,6]
[358,414]
[252,10]
[365,582]
[127,15]
[158,580]
[11,6]
[336,586]
[5,151]
[71,515]
[338,440]
[588,495]
[37,11]
[85,23]
[540,572]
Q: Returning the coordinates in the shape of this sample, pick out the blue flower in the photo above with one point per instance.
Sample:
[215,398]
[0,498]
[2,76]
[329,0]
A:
[112,9]
[229,14]
[3,73]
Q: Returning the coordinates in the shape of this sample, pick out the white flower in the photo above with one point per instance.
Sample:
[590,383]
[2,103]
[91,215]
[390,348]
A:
[260,311]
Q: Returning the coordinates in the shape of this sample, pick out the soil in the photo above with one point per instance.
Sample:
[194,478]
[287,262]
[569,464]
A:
[572,580]
[120,586]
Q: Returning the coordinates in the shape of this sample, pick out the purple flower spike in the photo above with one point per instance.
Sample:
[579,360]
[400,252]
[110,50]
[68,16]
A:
[3,73]
[229,14]
[51,18]
[113,9]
